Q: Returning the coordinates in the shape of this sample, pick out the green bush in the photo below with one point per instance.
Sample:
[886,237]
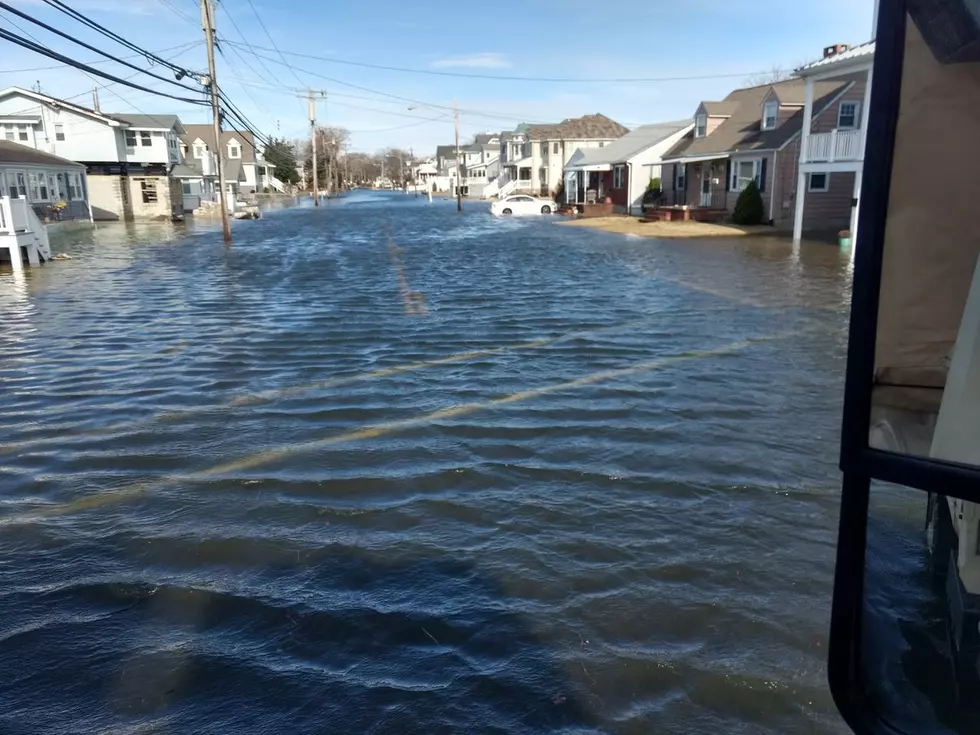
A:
[653,184]
[749,209]
[559,194]
[653,193]
[265,190]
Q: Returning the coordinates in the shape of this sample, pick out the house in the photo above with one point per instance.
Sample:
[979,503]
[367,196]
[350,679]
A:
[754,135]
[832,145]
[623,169]
[34,186]
[127,158]
[44,180]
[199,179]
[479,163]
[533,157]
[235,145]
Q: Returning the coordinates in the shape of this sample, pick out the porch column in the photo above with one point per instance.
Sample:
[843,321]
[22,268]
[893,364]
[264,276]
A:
[800,201]
[807,121]
[16,261]
[865,113]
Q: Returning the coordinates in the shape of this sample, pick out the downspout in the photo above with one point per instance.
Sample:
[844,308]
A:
[629,189]
[772,187]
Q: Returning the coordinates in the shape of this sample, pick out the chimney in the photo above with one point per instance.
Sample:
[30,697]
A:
[837,48]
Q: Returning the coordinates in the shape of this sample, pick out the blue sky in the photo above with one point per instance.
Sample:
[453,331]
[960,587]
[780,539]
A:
[723,41]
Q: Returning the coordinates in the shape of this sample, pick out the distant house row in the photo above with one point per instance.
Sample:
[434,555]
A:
[800,140]
[85,163]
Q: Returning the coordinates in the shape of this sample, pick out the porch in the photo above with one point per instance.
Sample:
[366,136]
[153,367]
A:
[586,185]
[22,234]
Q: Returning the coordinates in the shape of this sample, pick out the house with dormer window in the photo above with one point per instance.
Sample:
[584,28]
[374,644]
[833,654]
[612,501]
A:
[754,134]
[240,150]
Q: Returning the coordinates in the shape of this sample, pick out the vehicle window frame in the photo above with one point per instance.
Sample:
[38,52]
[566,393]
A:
[860,463]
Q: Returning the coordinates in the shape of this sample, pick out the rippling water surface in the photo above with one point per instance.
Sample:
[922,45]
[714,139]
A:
[383,468]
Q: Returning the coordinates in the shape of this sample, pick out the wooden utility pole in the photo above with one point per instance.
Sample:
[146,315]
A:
[401,170]
[207,19]
[316,183]
[95,99]
[459,188]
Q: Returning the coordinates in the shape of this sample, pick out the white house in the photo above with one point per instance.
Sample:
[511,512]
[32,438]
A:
[127,157]
[533,157]
[623,169]
[836,145]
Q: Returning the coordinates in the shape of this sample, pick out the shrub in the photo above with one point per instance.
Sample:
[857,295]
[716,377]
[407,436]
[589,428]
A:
[653,192]
[559,194]
[265,190]
[749,209]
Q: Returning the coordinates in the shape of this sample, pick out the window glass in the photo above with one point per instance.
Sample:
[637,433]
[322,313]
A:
[770,115]
[146,139]
[847,117]
[59,131]
[130,138]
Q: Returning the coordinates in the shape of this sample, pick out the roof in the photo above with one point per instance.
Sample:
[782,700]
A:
[191,169]
[54,101]
[634,142]
[742,131]
[206,133]
[152,122]
[446,151]
[596,126]
[11,152]
[719,109]
[485,138]
[859,54]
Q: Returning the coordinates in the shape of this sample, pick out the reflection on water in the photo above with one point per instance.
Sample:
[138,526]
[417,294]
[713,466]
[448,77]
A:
[592,490]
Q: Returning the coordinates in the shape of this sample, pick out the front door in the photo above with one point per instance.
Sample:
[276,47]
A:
[706,185]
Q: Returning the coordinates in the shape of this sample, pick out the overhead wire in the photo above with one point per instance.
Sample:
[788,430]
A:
[74,40]
[183,46]
[44,51]
[509,77]
[82,18]
[271,39]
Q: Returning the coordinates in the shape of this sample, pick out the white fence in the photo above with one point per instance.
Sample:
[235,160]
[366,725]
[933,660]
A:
[837,145]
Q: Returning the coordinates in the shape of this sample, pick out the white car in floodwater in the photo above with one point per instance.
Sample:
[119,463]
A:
[523,204]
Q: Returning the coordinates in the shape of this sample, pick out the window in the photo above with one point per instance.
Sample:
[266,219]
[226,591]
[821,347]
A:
[602,143]
[75,186]
[130,138]
[818,182]
[743,172]
[39,187]
[554,148]
[9,133]
[22,132]
[185,187]
[21,185]
[847,115]
[770,112]
[199,151]
[234,151]
[53,189]
[544,150]
[59,131]
[619,176]
[681,176]
[149,191]
[146,140]
[700,126]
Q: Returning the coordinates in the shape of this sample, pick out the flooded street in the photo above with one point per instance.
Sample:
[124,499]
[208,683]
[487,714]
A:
[384,468]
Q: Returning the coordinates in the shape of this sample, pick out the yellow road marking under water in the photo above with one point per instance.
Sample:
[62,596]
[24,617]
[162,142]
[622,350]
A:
[372,431]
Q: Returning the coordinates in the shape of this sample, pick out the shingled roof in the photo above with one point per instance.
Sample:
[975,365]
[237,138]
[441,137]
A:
[206,133]
[596,126]
[742,131]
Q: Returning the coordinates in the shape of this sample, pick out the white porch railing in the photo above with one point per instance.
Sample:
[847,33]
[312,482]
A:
[13,215]
[837,145]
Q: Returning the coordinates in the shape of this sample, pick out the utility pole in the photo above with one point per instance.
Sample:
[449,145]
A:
[207,18]
[415,176]
[401,171]
[316,185]
[459,189]
[95,99]
[331,156]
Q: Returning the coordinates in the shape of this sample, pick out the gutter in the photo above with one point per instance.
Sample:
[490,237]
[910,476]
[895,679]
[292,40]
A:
[772,187]
[629,190]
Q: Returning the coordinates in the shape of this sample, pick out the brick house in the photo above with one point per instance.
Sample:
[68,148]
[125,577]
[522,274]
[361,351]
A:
[754,134]
[622,170]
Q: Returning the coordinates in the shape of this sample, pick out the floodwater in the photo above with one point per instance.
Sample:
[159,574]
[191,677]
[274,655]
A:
[384,468]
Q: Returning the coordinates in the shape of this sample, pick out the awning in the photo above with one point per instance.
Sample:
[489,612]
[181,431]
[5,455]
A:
[590,167]
[698,159]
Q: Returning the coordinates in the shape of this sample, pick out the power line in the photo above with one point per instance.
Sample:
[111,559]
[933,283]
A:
[44,51]
[58,5]
[231,44]
[183,46]
[271,40]
[509,78]
[109,56]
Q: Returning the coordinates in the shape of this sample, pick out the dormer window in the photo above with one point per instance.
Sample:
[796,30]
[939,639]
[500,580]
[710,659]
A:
[199,149]
[234,151]
[700,125]
[770,111]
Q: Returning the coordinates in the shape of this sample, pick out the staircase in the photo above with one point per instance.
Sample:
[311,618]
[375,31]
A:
[498,187]
[22,234]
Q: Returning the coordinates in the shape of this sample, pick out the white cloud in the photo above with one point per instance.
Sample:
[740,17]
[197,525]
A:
[473,61]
